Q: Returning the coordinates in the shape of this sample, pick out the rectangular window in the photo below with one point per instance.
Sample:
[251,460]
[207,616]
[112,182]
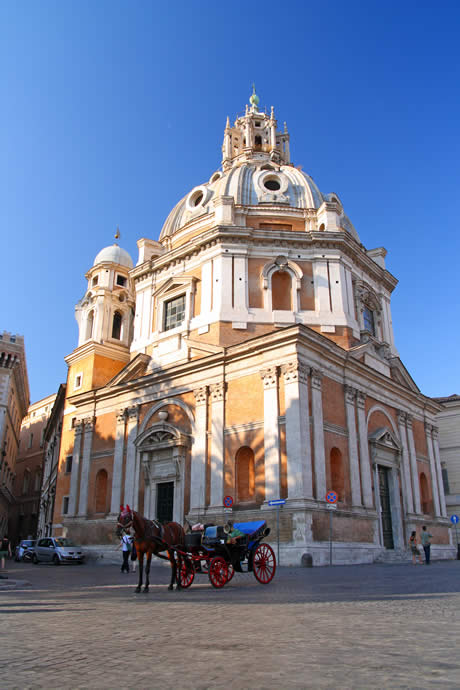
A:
[174,312]
[68,464]
[368,318]
[95,280]
[73,422]
[445,480]
[121,280]
[78,380]
[31,440]
[65,505]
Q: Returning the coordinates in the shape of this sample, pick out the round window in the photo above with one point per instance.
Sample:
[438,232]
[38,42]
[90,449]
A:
[197,199]
[272,184]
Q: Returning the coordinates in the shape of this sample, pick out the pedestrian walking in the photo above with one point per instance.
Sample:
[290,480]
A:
[5,550]
[125,544]
[426,543]
[414,548]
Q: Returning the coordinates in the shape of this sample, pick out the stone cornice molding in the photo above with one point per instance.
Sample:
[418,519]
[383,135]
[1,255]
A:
[201,395]
[269,377]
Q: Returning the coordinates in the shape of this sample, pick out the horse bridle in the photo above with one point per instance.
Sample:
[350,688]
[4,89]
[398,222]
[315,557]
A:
[123,511]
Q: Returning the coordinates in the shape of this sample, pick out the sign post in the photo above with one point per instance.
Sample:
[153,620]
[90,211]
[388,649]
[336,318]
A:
[454,521]
[331,498]
[278,503]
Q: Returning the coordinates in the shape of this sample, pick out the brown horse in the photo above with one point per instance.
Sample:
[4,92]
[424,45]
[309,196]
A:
[151,538]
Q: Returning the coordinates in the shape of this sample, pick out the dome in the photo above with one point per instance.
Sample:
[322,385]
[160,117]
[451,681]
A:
[115,255]
[250,184]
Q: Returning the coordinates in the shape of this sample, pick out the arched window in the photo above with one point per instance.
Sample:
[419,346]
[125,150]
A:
[89,325]
[258,143]
[337,473]
[101,492]
[282,290]
[116,328]
[425,494]
[245,475]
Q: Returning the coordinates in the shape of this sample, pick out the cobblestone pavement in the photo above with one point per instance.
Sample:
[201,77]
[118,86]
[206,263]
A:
[368,626]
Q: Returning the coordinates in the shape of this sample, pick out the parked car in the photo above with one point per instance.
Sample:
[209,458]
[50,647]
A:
[22,547]
[57,550]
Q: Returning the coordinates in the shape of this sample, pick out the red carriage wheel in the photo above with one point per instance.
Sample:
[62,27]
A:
[231,572]
[218,572]
[264,564]
[187,573]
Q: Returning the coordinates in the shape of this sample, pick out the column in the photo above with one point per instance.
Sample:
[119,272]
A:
[75,468]
[217,392]
[413,466]
[298,444]
[85,466]
[365,466]
[321,281]
[350,401]
[318,434]
[147,486]
[434,477]
[271,433]
[405,463]
[118,461]
[198,470]
[437,458]
[130,469]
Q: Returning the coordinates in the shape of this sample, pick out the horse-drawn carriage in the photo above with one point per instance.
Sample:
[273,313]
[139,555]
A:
[211,551]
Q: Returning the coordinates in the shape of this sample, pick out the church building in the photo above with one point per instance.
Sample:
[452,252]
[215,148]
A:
[249,353]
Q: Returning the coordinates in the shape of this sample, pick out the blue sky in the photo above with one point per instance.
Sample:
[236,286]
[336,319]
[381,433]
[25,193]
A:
[113,110]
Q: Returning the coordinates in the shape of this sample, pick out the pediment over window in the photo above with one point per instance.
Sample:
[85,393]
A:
[385,437]
[133,370]
[161,435]
[185,281]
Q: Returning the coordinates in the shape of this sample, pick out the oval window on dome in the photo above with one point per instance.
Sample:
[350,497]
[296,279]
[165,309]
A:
[272,184]
[197,199]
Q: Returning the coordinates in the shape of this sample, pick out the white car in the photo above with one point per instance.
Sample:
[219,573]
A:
[57,550]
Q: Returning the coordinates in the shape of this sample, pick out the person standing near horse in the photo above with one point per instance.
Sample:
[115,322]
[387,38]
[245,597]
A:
[126,543]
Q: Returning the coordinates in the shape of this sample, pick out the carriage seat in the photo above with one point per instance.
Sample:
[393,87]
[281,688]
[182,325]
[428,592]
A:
[213,534]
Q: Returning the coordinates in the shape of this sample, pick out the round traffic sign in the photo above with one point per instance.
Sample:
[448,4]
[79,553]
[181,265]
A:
[454,519]
[228,501]
[331,497]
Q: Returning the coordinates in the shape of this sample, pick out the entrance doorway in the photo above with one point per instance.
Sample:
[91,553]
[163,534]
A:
[387,526]
[165,501]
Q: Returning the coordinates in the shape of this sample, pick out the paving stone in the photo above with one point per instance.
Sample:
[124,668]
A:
[382,626]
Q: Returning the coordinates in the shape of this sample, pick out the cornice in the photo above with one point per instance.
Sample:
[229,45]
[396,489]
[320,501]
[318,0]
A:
[113,351]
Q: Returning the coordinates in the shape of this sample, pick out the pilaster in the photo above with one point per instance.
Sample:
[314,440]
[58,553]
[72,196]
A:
[131,489]
[413,465]
[271,433]
[365,467]
[198,469]
[89,423]
[318,433]
[217,394]
[408,497]
[75,468]
[433,472]
[298,444]
[118,461]
[350,403]
[437,457]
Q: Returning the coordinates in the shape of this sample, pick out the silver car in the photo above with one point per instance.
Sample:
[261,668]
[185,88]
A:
[57,550]
[23,546]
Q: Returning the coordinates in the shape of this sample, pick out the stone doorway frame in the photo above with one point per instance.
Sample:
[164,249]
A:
[386,451]
[161,437]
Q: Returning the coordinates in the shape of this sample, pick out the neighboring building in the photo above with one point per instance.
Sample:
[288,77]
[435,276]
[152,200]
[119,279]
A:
[14,400]
[52,445]
[249,353]
[448,421]
[29,468]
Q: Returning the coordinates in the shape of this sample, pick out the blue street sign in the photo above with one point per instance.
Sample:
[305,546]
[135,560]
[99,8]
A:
[454,519]
[278,502]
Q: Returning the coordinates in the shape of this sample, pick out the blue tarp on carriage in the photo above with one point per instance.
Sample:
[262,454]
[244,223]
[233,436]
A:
[249,527]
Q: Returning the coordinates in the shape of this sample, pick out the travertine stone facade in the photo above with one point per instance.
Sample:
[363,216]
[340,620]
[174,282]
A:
[260,364]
